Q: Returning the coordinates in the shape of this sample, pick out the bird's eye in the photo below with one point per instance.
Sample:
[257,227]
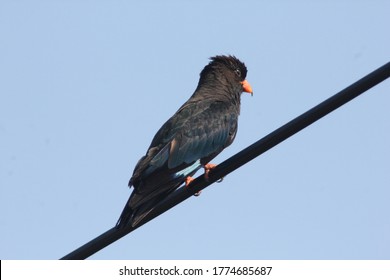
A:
[238,72]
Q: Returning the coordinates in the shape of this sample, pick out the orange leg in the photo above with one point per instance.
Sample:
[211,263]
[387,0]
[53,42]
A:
[207,169]
[188,181]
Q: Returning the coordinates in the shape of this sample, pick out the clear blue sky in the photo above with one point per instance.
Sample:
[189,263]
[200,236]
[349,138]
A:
[85,85]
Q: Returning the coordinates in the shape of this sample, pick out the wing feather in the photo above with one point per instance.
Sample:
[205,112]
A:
[197,131]
[203,134]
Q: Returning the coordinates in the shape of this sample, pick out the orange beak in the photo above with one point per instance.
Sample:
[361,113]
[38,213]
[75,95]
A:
[247,87]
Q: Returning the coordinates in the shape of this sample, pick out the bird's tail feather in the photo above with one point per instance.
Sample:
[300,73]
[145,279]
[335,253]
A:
[134,216]
[125,216]
[141,209]
[140,214]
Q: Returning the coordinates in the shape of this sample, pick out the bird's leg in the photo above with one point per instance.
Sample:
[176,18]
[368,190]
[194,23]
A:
[207,169]
[188,181]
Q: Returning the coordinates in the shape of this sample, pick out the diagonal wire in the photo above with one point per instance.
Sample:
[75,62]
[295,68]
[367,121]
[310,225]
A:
[239,159]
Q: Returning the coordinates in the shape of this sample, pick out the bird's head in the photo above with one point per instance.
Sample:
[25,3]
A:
[228,71]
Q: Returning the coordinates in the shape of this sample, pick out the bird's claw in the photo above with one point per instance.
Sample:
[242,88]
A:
[197,193]
[207,169]
[188,181]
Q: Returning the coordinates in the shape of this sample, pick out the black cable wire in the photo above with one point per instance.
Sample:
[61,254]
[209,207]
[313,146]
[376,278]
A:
[240,159]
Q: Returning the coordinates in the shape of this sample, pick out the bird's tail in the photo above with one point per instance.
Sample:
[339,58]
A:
[125,216]
[138,206]
[134,216]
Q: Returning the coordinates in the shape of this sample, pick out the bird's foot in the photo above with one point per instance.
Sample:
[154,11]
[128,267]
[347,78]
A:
[207,169]
[188,181]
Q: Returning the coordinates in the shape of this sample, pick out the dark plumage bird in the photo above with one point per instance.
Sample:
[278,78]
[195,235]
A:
[202,127]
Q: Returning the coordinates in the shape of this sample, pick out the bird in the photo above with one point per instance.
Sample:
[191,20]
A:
[200,129]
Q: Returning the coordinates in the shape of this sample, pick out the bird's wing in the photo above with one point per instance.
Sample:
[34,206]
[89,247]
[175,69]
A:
[197,131]
[206,132]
